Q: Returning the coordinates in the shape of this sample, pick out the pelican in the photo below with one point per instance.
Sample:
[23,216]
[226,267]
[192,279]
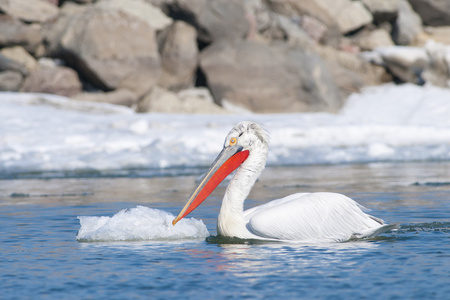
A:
[299,217]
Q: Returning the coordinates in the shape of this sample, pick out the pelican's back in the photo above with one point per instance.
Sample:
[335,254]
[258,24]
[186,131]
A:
[313,217]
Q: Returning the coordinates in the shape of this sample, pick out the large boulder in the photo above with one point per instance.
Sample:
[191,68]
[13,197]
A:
[29,10]
[433,12]
[213,19]
[110,48]
[13,32]
[264,78]
[179,57]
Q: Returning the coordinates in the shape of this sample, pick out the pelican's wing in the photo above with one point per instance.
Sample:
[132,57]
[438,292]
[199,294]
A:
[317,216]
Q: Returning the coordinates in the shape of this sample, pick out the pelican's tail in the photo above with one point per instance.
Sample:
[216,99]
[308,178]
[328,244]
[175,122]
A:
[378,231]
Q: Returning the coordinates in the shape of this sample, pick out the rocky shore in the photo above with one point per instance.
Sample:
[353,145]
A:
[221,56]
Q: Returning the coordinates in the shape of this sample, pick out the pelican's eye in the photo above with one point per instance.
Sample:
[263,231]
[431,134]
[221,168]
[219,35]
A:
[233,141]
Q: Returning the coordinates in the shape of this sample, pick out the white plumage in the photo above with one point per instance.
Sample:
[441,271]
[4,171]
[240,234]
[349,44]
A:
[298,217]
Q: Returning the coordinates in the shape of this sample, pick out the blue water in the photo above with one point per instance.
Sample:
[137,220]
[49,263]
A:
[41,259]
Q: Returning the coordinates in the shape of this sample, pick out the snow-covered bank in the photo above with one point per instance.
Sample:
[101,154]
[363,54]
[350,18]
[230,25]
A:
[389,123]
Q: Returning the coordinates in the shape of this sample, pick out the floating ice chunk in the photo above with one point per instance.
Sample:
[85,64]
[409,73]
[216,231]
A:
[139,224]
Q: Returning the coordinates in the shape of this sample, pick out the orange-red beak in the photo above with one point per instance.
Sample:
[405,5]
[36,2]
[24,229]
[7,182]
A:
[226,162]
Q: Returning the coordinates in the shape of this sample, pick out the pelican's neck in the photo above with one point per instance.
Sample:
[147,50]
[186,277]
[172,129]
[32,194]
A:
[231,220]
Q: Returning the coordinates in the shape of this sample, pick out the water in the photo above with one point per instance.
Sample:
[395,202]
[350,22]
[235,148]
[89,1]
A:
[41,259]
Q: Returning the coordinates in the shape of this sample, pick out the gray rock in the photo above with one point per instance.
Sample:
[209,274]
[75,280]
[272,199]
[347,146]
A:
[439,34]
[350,72]
[214,20]
[195,100]
[13,32]
[179,57]
[433,12]
[408,24]
[10,81]
[437,71]
[374,39]
[264,78]
[296,35]
[8,64]
[327,11]
[140,9]
[110,48]
[118,97]
[57,80]
[406,63]
[29,10]
[21,56]
[382,10]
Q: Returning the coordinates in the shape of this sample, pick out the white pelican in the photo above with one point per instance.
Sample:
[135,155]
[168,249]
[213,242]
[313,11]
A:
[298,217]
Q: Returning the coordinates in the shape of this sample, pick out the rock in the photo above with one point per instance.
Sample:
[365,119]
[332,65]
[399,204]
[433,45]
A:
[433,12]
[214,20]
[84,1]
[179,57]
[55,29]
[374,39]
[118,97]
[408,24]
[20,55]
[56,80]
[7,64]
[327,11]
[437,71]
[259,17]
[139,9]
[196,100]
[314,28]
[10,81]
[350,72]
[13,32]
[200,101]
[295,34]
[438,34]
[111,49]
[53,2]
[356,15]
[382,10]
[406,63]
[264,78]
[29,10]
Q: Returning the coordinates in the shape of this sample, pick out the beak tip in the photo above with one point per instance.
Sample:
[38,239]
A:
[174,221]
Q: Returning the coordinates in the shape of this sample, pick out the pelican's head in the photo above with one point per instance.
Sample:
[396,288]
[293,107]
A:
[248,135]
[246,141]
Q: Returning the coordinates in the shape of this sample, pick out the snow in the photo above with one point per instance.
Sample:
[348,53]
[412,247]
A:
[46,133]
[139,224]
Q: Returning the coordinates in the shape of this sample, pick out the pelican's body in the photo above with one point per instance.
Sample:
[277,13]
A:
[298,217]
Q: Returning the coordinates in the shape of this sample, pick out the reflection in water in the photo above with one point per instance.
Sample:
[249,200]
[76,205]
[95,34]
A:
[283,259]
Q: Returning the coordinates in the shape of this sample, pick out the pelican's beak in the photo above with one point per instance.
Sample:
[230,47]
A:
[226,162]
